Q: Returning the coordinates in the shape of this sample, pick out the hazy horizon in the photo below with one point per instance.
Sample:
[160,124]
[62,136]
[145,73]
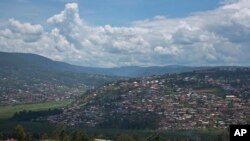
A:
[170,65]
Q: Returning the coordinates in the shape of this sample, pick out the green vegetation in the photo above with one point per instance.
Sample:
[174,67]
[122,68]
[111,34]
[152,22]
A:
[21,135]
[8,111]
[41,131]
[58,133]
[36,129]
[124,137]
[30,115]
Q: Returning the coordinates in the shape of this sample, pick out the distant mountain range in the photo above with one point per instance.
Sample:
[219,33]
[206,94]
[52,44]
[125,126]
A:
[32,61]
[37,62]
[21,69]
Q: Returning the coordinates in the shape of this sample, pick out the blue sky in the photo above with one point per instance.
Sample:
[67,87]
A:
[114,33]
[117,12]
[101,12]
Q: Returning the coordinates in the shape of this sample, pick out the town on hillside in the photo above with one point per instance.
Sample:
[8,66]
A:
[212,98]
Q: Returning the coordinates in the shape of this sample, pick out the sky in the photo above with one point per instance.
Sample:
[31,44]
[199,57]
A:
[115,33]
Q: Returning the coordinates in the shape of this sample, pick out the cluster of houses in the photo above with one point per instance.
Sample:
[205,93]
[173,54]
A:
[180,101]
[37,93]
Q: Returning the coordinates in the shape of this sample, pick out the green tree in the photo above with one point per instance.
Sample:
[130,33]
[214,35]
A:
[60,132]
[1,136]
[155,137]
[67,138]
[28,137]
[44,136]
[20,133]
[80,136]
[124,137]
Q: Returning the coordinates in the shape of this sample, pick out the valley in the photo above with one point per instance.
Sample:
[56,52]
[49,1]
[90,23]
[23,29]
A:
[184,103]
[124,70]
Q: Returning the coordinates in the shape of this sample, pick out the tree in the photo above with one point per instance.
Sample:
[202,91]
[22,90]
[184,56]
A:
[60,132]
[155,137]
[28,137]
[80,136]
[124,137]
[20,133]
[1,136]
[67,138]
[44,136]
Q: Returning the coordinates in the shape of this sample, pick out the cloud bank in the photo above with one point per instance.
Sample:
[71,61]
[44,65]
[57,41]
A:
[216,37]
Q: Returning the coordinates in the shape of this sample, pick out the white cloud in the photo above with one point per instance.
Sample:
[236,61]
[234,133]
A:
[215,37]
[25,28]
[173,50]
[25,37]
[70,12]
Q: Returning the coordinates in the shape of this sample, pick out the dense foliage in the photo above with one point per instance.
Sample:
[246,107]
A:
[29,115]
[61,132]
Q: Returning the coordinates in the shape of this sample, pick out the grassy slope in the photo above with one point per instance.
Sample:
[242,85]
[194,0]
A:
[8,111]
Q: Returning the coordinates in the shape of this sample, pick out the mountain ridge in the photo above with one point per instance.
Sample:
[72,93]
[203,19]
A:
[28,60]
[34,61]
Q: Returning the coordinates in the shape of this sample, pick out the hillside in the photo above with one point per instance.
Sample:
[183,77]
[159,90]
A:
[28,78]
[211,98]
